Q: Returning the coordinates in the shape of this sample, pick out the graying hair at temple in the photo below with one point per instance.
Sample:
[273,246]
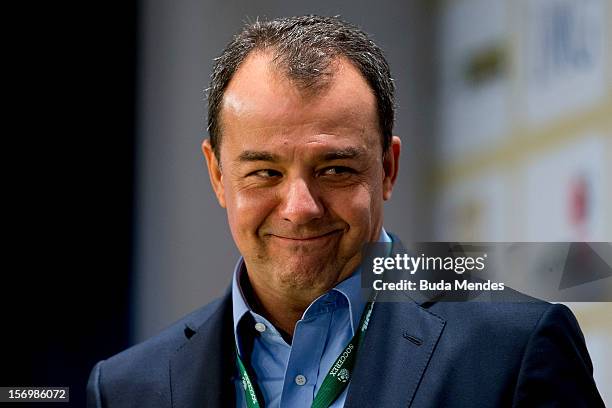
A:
[304,49]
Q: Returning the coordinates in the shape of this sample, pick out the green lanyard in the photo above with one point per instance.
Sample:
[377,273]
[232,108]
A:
[336,379]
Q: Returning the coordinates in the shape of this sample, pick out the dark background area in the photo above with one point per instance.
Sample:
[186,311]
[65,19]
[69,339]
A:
[68,147]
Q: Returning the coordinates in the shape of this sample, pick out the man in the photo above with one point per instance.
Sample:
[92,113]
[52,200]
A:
[301,155]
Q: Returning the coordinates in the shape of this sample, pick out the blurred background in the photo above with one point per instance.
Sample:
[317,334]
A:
[504,110]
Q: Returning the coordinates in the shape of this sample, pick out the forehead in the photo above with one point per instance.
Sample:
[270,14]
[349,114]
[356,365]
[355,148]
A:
[261,105]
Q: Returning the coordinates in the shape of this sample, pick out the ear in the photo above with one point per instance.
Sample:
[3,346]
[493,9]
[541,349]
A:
[214,172]
[391,166]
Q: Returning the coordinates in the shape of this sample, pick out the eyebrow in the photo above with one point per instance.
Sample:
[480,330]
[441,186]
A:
[340,154]
[253,155]
[346,153]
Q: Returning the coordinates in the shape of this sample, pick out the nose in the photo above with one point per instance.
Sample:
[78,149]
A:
[301,204]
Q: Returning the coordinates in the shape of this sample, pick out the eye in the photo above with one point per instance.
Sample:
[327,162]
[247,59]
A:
[265,173]
[337,171]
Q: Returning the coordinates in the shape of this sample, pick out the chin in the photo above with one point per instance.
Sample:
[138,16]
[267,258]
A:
[308,276]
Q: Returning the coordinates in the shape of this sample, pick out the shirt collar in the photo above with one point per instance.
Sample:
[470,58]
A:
[350,288]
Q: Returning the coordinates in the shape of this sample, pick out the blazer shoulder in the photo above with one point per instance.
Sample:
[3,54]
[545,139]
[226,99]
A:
[556,365]
[147,362]
[510,318]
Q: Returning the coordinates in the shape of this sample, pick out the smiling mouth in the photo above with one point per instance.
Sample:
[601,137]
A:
[306,239]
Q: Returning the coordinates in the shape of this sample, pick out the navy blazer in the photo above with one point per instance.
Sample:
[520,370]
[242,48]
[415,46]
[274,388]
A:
[418,353]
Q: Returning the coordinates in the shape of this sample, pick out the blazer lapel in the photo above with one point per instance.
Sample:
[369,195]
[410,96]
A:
[202,368]
[399,343]
[401,338]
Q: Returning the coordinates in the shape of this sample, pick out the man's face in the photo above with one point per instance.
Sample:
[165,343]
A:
[302,176]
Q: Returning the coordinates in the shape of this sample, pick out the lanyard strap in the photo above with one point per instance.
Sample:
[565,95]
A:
[336,379]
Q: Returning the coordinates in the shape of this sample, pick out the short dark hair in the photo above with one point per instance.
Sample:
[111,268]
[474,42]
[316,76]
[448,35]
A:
[304,48]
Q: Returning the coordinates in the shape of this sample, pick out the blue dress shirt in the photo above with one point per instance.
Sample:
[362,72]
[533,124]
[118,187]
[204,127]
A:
[291,375]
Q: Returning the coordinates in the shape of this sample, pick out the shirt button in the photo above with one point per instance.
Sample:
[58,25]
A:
[300,379]
[260,327]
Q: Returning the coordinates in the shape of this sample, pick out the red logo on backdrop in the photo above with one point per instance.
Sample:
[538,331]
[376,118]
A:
[579,204]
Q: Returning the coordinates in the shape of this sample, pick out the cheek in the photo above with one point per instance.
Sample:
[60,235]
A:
[355,207]
[247,210]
